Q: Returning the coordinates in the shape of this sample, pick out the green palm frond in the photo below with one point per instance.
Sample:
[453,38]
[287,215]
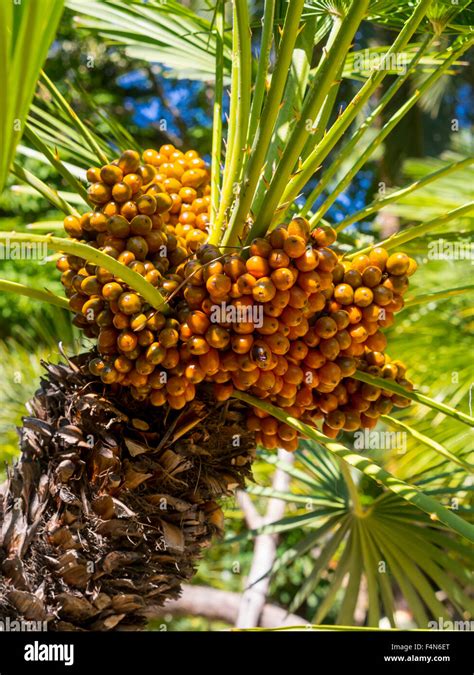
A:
[163,32]
[21,58]
[375,548]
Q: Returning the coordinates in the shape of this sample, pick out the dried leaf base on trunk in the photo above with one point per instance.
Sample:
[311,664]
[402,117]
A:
[110,504]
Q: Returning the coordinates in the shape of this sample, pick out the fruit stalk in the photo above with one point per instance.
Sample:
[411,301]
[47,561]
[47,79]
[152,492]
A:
[134,280]
[36,294]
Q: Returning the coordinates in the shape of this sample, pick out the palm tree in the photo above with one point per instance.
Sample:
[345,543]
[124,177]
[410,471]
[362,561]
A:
[115,499]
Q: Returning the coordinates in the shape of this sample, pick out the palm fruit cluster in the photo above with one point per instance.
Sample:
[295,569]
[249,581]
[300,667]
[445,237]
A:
[110,506]
[149,215]
[320,320]
[288,319]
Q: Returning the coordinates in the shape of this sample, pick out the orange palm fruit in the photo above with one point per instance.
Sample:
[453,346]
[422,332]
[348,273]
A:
[335,419]
[309,281]
[397,284]
[99,193]
[355,314]
[396,305]
[341,319]
[269,425]
[127,341]
[243,327]
[294,374]
[269,442]
[324,235]
[281,366]
[294,246]
[264,290]
[243,380]
[197,345]
[330,373]
[218,284]
[234,267]
[363,296]
[93,174]
[277,237]
[311,338]
[382,295]
[281,299]
[269,325]
[412,267]
[300,227]
[378,257]
[288,391]
[198,322]
[278,343]
[210,361]
[257,266]
[217,337]
[370,326]
[344,294]
[327,402]
[352,421]
[344,339]
[262,356]
[223,391]
[329,348]
[283,278]
[358,333]
[245,283]
[289,446]
[326,282]
[73,227]
[194,373]
[359,403]
[316,302]
[278,258]
[260,247]
[376,342]
[325,327]
[330,432]
[291,316]
[241,344]
[371,276]
[360,262]
[388,320]
[353,278]
[298,298]
[285,432]
[314,359]
[176,402]
[327,260]
[397,263]
[129,161]
[298,350]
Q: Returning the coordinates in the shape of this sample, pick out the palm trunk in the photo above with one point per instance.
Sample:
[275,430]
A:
[110,504]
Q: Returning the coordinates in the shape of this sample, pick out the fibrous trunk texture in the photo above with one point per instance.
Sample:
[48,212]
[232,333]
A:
[106,511]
